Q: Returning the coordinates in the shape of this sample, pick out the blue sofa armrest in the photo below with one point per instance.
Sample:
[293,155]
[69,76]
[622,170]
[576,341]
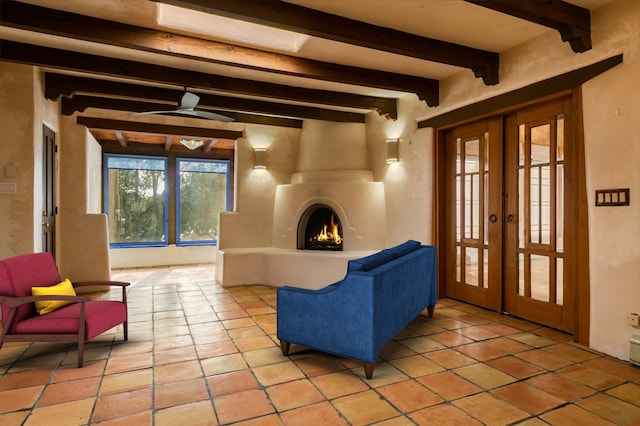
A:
[337,319]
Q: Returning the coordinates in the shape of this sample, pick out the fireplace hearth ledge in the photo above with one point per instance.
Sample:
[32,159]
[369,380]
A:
[310,269]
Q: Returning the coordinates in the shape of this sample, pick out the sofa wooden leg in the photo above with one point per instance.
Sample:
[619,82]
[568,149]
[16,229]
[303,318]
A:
[368,369]
[285,346]
[430,310]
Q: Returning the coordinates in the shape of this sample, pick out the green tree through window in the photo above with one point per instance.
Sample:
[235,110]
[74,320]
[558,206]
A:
[135,200]
[202,194]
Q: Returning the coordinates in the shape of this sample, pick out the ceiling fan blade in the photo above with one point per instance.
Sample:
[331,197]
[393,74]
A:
[213,116]
[189,101]
[154,112]
[187,108]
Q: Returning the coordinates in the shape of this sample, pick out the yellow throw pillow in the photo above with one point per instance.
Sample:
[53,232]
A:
[65,288]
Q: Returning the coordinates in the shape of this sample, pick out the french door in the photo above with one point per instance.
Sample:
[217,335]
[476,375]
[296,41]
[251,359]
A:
[474,205]
[507,184]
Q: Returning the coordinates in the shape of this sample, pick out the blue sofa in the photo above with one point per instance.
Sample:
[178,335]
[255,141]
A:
[354,318]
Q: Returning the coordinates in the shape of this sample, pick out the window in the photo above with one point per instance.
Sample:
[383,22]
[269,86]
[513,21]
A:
[136,200]
[202,188]
[137,204]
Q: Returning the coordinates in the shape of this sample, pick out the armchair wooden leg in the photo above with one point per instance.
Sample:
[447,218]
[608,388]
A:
[82,332]
[430,310]
[80,353]
[125,329]
[285,346]
[368,369]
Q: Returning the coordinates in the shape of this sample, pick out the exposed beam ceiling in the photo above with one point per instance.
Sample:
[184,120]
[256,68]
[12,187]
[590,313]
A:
[303,20]
[51,21]
[82,62]
[361,56]
[120,135]
[573,22]
[57,85]
[81,102]
[159,129]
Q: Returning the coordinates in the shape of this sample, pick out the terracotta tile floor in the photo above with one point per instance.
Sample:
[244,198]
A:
[202,354]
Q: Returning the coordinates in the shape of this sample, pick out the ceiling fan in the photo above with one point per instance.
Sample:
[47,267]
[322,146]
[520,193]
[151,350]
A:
[186,108]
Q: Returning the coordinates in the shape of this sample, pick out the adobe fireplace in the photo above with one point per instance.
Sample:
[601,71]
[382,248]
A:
[332,179]
[320,229]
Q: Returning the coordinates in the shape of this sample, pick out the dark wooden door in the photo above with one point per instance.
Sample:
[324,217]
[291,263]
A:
[48,190]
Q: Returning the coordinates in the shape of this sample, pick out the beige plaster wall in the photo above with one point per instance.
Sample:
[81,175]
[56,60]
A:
[612,143]
[17,150]
[407,183]
[161,256]
[249,224]
[328,146]
[82,234]
[23,111]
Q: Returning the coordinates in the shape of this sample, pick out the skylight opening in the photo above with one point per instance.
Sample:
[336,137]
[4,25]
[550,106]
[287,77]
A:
[236,31]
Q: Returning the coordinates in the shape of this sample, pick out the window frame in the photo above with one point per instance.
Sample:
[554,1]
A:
[105,193]
[136,149]
[178,160]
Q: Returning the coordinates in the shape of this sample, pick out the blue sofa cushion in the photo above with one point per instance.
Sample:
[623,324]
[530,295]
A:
[372,261]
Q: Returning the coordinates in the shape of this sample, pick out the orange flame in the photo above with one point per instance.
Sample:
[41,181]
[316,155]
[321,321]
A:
[333,235]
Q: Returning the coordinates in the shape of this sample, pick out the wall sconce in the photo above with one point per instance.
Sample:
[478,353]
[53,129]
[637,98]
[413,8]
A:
[260,158]
[392,150]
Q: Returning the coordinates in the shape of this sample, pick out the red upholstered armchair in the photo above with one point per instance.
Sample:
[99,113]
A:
[80,320]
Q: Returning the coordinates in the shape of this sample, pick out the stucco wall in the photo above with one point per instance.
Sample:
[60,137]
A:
[17,150]
[23,111]
[249,225]
[612,144]
[81,233]
[408,184]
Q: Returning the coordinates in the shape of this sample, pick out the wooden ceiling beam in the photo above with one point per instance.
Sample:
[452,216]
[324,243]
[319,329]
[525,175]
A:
[288,16]
[82,62]
[79,103]
[212,143]
[573,22]
[81,27]
[157,129]
[57,85]
[121,138]
[168,141]
[136,148]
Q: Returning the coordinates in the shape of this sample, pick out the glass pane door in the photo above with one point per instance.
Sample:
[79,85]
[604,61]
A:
[535,170]
[474,194]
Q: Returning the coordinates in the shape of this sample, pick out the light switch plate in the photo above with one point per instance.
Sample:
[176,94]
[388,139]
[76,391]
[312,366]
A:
[612,197]
[8,187]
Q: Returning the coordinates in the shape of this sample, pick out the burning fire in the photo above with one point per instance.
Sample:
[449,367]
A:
[331,236]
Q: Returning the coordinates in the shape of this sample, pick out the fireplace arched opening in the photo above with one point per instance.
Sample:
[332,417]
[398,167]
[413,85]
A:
[319,228]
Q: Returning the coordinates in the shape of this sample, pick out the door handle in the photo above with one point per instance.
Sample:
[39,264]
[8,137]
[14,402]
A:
[493,218]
